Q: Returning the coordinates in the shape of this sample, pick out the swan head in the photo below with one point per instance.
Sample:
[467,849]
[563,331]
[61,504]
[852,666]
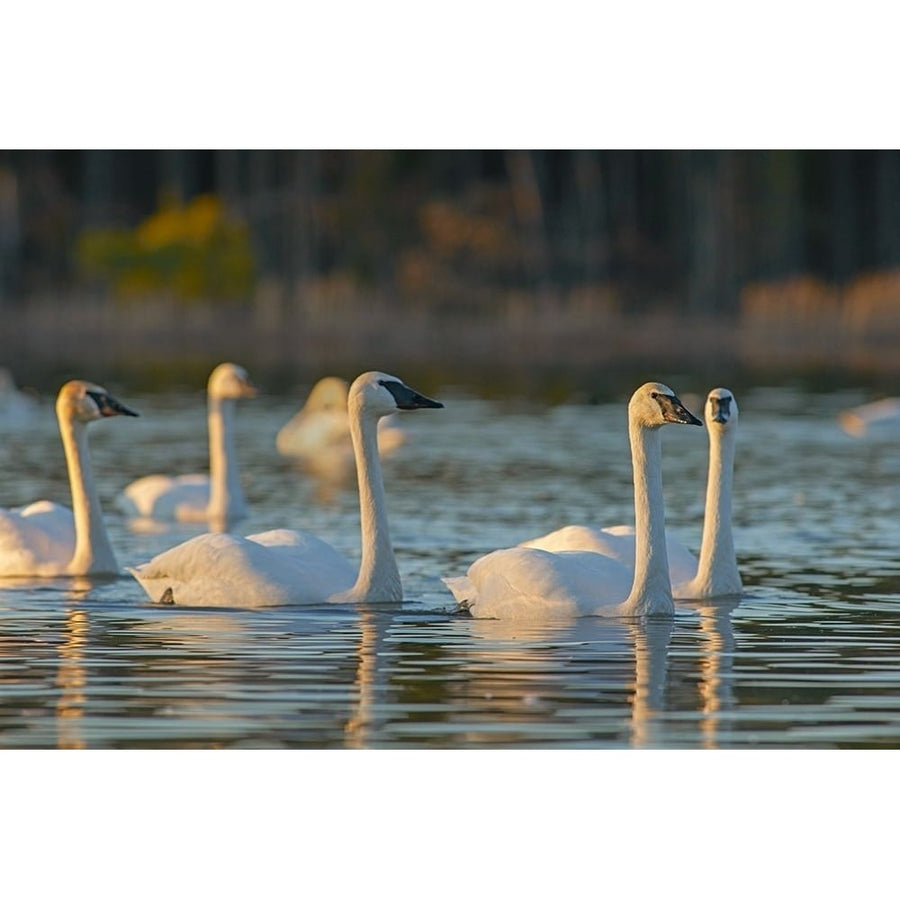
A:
[653,405]
[230,382]
[381,395]
[82,401]
[328,394]
[721,409]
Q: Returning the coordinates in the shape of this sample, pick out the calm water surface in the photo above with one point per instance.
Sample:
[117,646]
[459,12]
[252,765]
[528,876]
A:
[809,656]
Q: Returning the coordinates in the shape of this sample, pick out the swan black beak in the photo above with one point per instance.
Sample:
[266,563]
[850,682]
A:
[721,409]
[406,398]
[675,411]
[109,406]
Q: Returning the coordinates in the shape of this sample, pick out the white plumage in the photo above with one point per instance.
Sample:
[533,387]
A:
[45,539]
[878,417]
[532,583]
[715,573]
[17,408]
[321,429]
[284,566]
[217,497]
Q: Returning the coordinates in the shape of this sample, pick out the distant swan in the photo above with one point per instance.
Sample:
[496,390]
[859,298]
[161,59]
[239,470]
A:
[16,407]
[200,498]
[322,427]
[528,583]
[716,573]
[877,417]
[283,566]
[45,539]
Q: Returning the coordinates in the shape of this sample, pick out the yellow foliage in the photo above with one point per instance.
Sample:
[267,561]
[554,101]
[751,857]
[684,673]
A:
[191,251]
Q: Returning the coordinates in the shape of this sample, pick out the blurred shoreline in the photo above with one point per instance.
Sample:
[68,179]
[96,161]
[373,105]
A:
[164,343]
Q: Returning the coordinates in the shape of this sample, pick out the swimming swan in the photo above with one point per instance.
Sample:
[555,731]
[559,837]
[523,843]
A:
[531,583]
[45,539]
[878,417]
[16,407]
[283,566]
[716,573]
[322,426]
[199,498]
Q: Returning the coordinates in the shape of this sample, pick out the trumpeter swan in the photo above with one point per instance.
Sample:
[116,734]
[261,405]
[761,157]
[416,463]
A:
[322,428]
[283,566]
[715,574]
[215,497]
[531,583]
[877,417]
[45,539]
[16,407]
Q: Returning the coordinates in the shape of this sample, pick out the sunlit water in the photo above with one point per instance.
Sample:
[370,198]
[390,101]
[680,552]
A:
[809,657]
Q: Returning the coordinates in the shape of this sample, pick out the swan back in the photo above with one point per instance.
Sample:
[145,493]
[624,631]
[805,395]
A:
[328,394]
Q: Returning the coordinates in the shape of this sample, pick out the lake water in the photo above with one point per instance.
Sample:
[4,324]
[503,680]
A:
[809,657]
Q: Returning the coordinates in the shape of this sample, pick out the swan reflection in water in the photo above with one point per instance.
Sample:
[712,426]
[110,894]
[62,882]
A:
[364,721]
[71,676]
[716,685]
[71,679]
[525,666]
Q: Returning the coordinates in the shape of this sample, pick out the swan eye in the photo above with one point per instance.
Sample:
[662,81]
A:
[654,395]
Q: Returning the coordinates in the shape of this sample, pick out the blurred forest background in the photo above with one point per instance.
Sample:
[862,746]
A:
[316,261]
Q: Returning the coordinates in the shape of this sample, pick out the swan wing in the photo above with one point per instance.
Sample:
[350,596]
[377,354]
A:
[312,433]
[526,583]
[266,569]
[584,537]
[38,539]
[180,498]
[618,543]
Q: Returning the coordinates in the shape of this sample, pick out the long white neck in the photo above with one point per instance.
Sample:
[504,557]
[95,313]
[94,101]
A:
[93,551]
[226,499]
[651,591]
[379,578]
[717,571]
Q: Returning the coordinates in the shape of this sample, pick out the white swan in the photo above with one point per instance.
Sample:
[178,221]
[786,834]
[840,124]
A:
[200,498]
[716,573]
[283,566]
[322,427]
[16,407]
[45,539]
[529,583]
[878,417]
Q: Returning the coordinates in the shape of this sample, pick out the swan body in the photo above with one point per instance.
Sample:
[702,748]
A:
[715,573]
[45,539]
[534,583]
[200,498]
[877,417]
[283,566]
[322,426]
[16,407]
[617,542]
